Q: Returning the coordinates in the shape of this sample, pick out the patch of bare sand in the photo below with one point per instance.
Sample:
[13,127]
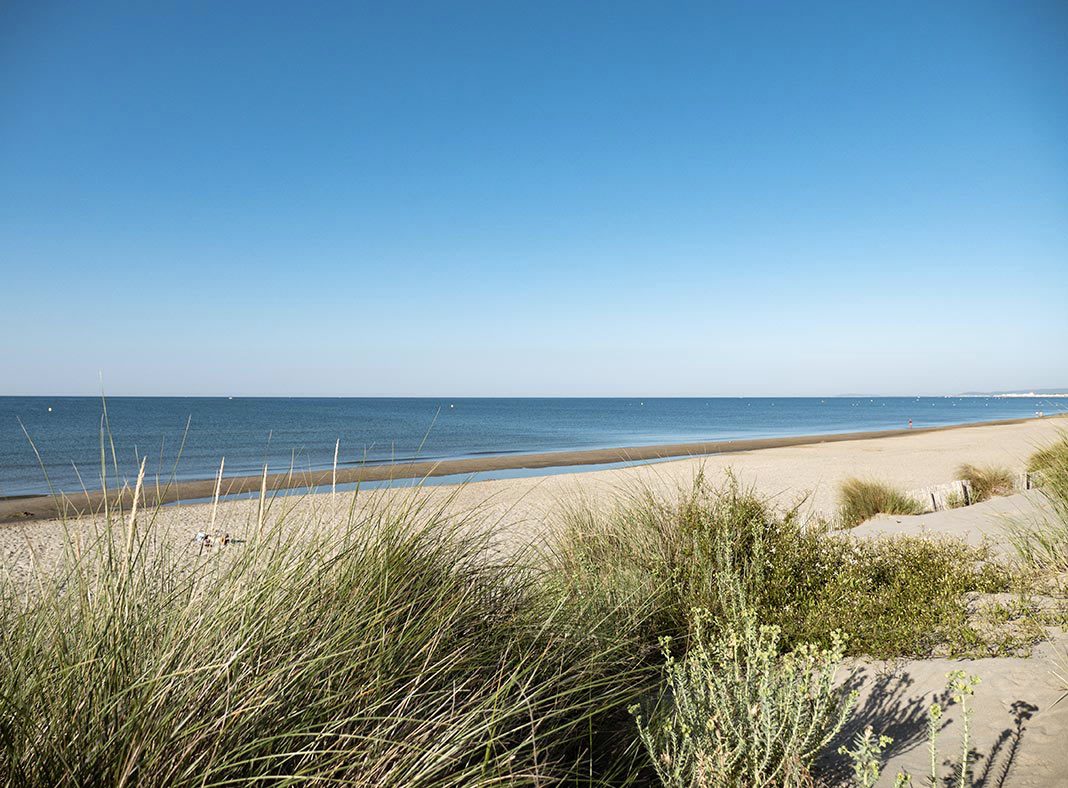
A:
[977,524]
[1019,732]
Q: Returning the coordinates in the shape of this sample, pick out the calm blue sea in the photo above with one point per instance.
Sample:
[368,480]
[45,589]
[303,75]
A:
[301,432]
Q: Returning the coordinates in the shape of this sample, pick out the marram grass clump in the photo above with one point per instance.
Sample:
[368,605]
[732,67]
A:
[1051,459]
[860,500]
[987,481]
[388,650]
[1041,541]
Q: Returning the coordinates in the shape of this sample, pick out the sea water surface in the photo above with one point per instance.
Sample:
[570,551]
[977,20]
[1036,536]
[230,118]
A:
[186,437]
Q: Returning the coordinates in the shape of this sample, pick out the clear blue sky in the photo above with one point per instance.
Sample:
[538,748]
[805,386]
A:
[535,198]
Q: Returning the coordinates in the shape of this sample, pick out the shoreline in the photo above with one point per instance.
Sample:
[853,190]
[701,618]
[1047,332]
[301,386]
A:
[21,509]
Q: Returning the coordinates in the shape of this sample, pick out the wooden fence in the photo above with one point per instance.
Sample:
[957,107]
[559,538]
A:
[937,497]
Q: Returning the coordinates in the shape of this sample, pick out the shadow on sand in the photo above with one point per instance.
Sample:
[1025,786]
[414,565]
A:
[892,705]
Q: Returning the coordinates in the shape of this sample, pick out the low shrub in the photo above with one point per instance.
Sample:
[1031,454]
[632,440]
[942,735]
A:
[895,596]
[861,500]
[659,558]
[738,711]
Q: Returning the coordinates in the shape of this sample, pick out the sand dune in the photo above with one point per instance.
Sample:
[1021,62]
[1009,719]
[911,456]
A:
[1019,731]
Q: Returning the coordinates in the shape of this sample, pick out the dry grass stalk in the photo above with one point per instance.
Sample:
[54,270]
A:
[215,497]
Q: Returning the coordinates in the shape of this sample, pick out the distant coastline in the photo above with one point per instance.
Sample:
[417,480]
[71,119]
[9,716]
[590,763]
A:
[1028,395]
[1017,393]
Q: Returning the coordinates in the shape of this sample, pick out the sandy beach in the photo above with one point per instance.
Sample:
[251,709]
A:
[1018,729]
[718,454]
[806,472]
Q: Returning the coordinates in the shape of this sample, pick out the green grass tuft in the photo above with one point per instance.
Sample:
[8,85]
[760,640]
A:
[1050,459]
[987,481]
[861,500]
[1042,541]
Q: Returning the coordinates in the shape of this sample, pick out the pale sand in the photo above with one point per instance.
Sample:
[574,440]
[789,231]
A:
[981,523]
[1016,721]
[1019,731]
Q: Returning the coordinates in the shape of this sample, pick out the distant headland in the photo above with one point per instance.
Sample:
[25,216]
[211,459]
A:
[1061,392]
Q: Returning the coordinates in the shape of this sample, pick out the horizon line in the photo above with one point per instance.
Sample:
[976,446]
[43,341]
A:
[1046,392]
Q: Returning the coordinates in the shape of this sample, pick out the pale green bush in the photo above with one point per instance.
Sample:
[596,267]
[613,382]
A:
[737,712]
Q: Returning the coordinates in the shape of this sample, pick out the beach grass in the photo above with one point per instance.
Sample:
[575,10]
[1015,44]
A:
[1041,541]
[1050,459]
[1060,675]
[394,650]
[391,642]
[862,499]
[987,481]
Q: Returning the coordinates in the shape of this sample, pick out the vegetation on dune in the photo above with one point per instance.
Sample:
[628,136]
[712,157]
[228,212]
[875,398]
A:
[391,652]
[654,560]
[1051,459]
[397,648]
[1060,675]
[987,481]
[868,747]
[861,500]
[955,500]
[1041,542]
[736,710]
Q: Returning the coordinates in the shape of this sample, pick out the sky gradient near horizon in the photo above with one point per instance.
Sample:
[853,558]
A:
[533,198]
